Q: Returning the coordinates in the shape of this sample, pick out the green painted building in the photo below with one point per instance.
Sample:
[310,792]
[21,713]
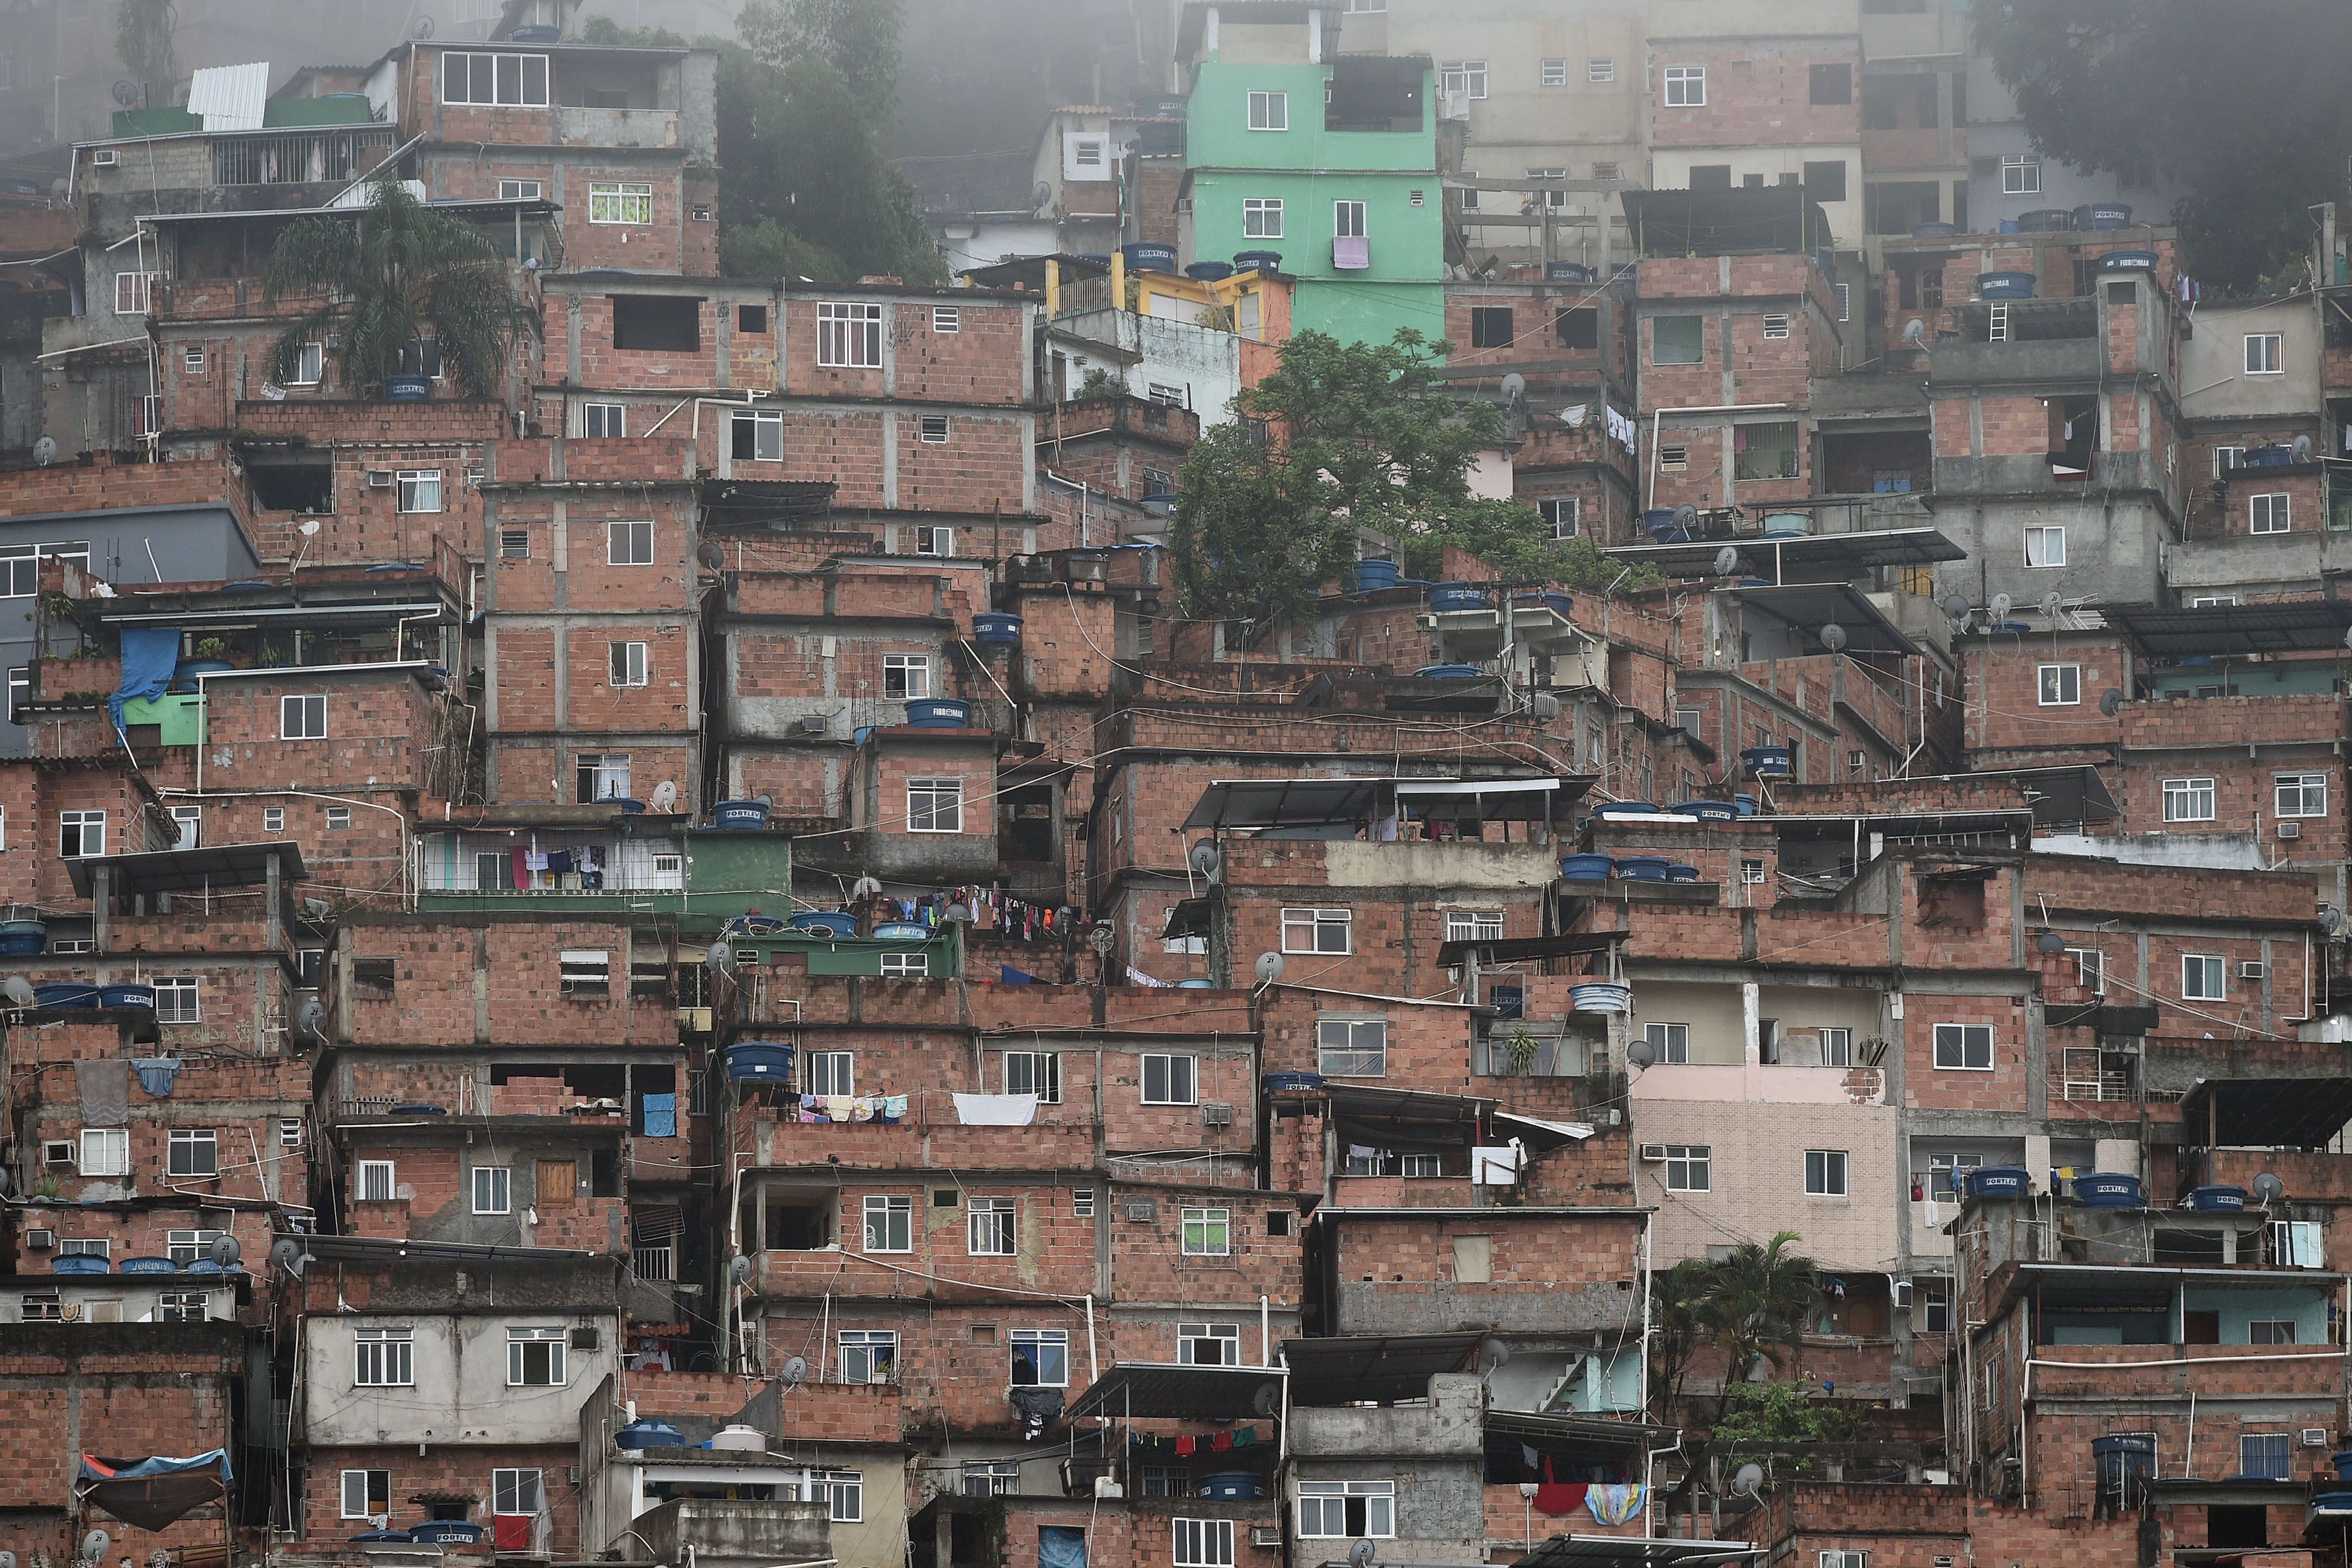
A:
[1332,161]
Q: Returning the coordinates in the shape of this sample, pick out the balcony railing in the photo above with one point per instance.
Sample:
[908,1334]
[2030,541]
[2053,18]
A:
[658,1264]
[313,157]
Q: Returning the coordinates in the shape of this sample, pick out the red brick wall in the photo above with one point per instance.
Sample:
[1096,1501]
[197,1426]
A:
[1752,84]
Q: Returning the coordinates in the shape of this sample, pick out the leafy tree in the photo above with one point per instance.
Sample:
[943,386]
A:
[1758,1414]
[858,39]
[144,33]
[1757,1304]
[1677,1296]
[2242,105]
[397,271]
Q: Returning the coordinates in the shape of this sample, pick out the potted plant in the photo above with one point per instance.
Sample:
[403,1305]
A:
[1519,1049]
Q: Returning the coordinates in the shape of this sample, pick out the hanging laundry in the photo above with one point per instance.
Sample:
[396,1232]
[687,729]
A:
[1244,1437]
[157,1074]
[836,1107]
[661,1116]
[1555,1497]
[996,1109]
[1220,1442]
[558,862]
[1185,1447]
[894,1109]
[521,858]
[1615,1504]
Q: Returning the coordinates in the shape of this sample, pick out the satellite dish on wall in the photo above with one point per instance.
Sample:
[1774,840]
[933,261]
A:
[2268,1188]
[2000,607]
[2050,942]
[1727,561]
[1915,333]
[1493,1353]
[125,92]
[794,1372]
[1686,517]
[1040,194]
[287,1253]
[310,1020]
[738,1271]
[1515,388]
[2331,920]
[45,451]
[1205,858]
[2052,605]
[1956,610]
[18,991]
[1270,966]
[713,558]
[1833,636]
[2301,449]
[1359,1555]
[720,960]
[2111,702]
[1750,1480]
[225,1251]
[94,1545]
[1640,1053]
[423,28]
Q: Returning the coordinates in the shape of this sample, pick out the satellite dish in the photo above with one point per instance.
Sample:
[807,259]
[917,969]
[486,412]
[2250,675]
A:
[664,797]
[2268,1188]
[1956,610]
[2331,920]
[2301,447]
[1915,332]
[2111,702]
[225,1251]
[713,558]
[310,528]
[287,1253]
[1102,939]
[45,451]
[1686,517]
[1205,858]
[720,960]
[738,1271]
[422,29]
[1359,1555]
[2050,942]
[1727,561]
[795,1370]
[125,92]
[958,914]
[1833,636]
[1493,1353]
[1515,386]
[2052,604]
[1640,1053]
[94,1545]
[2000,606]
[8,1560]
[1266,1400]
[310,1019]
[1040,193]
[1749,1480]
[18,990]
[1270,966]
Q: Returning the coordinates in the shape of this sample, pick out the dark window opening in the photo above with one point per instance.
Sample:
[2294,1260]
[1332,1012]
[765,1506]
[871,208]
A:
[421,357]
[1710,178]
[1898,207]
[292,487]
[1374,92]
[373,972]
[1025,826]
[666,323]
[1832,84]
[750,318]
[798,1226]
[2237,1525]
[1578,328]
[1958,902]
[1490,327]
[604,1172]
[1825,180]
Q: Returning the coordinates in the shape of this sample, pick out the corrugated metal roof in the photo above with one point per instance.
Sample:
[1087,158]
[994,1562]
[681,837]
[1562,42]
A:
[230,98]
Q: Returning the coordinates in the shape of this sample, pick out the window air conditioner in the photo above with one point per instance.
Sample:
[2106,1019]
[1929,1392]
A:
[40,1239]
[2290,830]
[585,1339]
[1215,1113]
[59,1152]
[1265,1535]
[1146,1210]
[2253,969]
[102,158]
[1654,1151]
[2314,1436]
[379,479]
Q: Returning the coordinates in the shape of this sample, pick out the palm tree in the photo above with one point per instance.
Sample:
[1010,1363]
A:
[396,272]
[1756,1305]
[1677,1328]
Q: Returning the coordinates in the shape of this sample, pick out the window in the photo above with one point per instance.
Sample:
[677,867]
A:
[366,1493]
[1685,87]
[1677,340]
[1604,171]
[338,817]
[2300,795]
[934,541]
[182,1307]
[309,365]
[625,663]
[832,1072]
[1262,218]
[906,675]
[1964,1047]
[1555,73]
[519,190]
[384,1358]
[1465,77]
[1673,458]
[1936,1297]
[1689,1167]
[516,1491]
[2189,800]
[1041,1358]
[501,82]
[302,718]
[629,543]
[602,419]
[1205,1544]
[192,1152]
[2268,513]
[105,1152]
[1034,1072]
[1837,1047]
[2297,1244]
[934,429]
[187,827]
[1082,1201]
[583,971]
[1845,301]
[97,1247]
[2204,977]
[1088,154]
[81,833]
[535,1358]
[756,435]
[620,200]
[905,965]
[1269,112]
[2269,1455]
[2090,969]
[1490,327]
[2225,459]
[1209,1344]
[2061,685]
[947,318]
[845,1495]
[869,1356]
[1352,1047]
[990,1227]
[175,999]
[1600,70]
[273,819]
[132,292]
[889,1224]
[1316,930]
[493,1189]
[1766,452]
[1563,514]
[20,690]
[514,544]
[1348,220]
[2021,174]
[1668,1043]
[1776,327]
[187,1245]
[420,489]
[849,336]
[995,1479]
[935,805]
[2265,354]
[379,1181]
[1365,1160]
[1335,1510]
[1208,1233]
[1169,1079]
[1826,1172]
[1473,925]
[1751,873]
[2046,545]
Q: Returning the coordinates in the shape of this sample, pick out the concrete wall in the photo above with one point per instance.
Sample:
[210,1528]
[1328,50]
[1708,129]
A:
[2213,380]
[461,1393]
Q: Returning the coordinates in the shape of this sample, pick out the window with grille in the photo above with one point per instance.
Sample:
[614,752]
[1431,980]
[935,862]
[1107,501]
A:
[184,1307]
[905,965]
[756,436]
[1262,218]
[519,190]
[2300,795]
[1269,112]
[1466,79]
[1669,1043]
[947,318]
[2269,1455]
[1554,73]
[849,336]
[493,1189]
[2270,512]
[379,1181]
[187,1245]
[933,431]
[1209,1344]
[105,1152]
[2021,174]
[1776,327]
[1208,1233]
[832,1072]
[516,1491]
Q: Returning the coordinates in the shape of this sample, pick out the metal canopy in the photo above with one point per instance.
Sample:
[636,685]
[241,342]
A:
[192,871]
[1597,1430]
[1161,1391]
[1635,1551]
[1313,802]
[2271,1112]
[1806,607]
[2303,625]
[1772,220]
[1520,949]
[1851,553]
[1347,1368]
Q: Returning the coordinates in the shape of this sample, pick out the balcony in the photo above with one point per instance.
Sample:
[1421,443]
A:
[579,127]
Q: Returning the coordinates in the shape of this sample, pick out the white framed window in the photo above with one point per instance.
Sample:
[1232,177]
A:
[583,971]
[621,201]
[176,999]
[2021,174]
[947,318]
[2269,1455]
[1826,1173]
[889,1224]
[756,435]
[906,676]
[1348,220]
[493,1189]
[1086,155]
[1669,1043]
[2270,512]
[1348,1046]
[1690,1167]
[2045,545]
[2090,969]
[1171,1080]
[309,365]
[1964,1047]
[494,80]
[1208,1233]
[184,1307]
[519,190]
[1269,112]
[1034,1072]
[1600,70]
[191,1151]
[302,718]
[535,1357]
[81,833]
[1082,1202]
[1262,218]
[2265,354]
[379,1181]
[273,819]
[603,420]
[1685,87]
[1041,1358]
[1205,1544]
[1473,925]
[1554,73]
[845,1495]
[933,431]
[105,1152]
[2299,795]
[1562,515]
[869,1356]
[187,827]
[384,1358]
[338,817]
[935,805]
[625,663]
[1837,1047]
[518,1492]
[133,291]
[420,489]
[1845,300]
[2061,685]
[1465,77]
[366,1494]
[2204,977]
[89,1246]
[1209,1344]
[1316,930]
[2298,1244]
[991,1227]
[935,541]
[2226,459]
[848,335]
[1347,1510]
[187,1245]
[905,965]
[993,1477]
[1846,1558]
[2189,800]
[1776,327]
[832,1072]
[629,543]
[1751,873]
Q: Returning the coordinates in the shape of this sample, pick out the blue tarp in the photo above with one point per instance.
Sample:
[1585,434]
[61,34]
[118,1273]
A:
[98,1468]
[150,653]
[661,1116]
[153,1492]
[1061,1546]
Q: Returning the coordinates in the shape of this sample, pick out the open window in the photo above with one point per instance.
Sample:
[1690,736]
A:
[796,1221]
[666,324]
[307,485]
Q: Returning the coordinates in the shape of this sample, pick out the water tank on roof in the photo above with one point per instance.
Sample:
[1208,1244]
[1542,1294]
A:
[2103,214]
[739,1439]
[539,33]
[2045,220]
[2005,286]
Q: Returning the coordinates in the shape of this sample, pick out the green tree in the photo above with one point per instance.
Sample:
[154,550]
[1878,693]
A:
[2242,106]
[395,272]
[858,39]
[1757,1304]
[1761,1415]
[143,32]
[1677,1296]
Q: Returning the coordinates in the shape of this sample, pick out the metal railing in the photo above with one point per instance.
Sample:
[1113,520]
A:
[656,1264]
[309,157]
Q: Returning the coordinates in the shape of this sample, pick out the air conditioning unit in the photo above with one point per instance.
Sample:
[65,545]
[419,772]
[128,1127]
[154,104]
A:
[815,724]
[1654,1153]
[1216,1113]
[40,1238]
[1142,1212]
[585,1339]
[1425,622]
[1265,1535]
[2290,830]
[1902,1294]
[103,158]
[2314,1437]
[2253,969]
[57,1151]
[1184,204]
[379,479]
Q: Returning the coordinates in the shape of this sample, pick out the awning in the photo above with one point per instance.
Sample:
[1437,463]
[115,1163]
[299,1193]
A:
[2220,630]
[1635,1551]
[192,871]
[153,1492]
[1848,554]
[1165,1391]
[1345,1368]
[2266,1112]
[1312,802]
[1601,1431]
[1806,607]
[1769,220]
[1521,948]
[1269,803]
[1559,1131]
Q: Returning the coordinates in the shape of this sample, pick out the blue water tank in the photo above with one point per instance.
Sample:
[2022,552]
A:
[1933,230]
[2005,286]
[995,626]
[1567,272]
[1293,1082]
[825,923]
[1765,762]
[740,813]
[2045,220]
[1257,261]
[938,713]
[2103,214]
[649,1433]
[1371,576]
[1457,596]
[1210,271]
[2216,1199]
[1147,256]
[2128,261]
[1588,868]
[407,388]
[1447,672]
[1996,1181]
[1642,868]
[2107,1189]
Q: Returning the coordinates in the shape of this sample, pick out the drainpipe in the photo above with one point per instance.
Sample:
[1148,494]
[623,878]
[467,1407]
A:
[1657,417]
